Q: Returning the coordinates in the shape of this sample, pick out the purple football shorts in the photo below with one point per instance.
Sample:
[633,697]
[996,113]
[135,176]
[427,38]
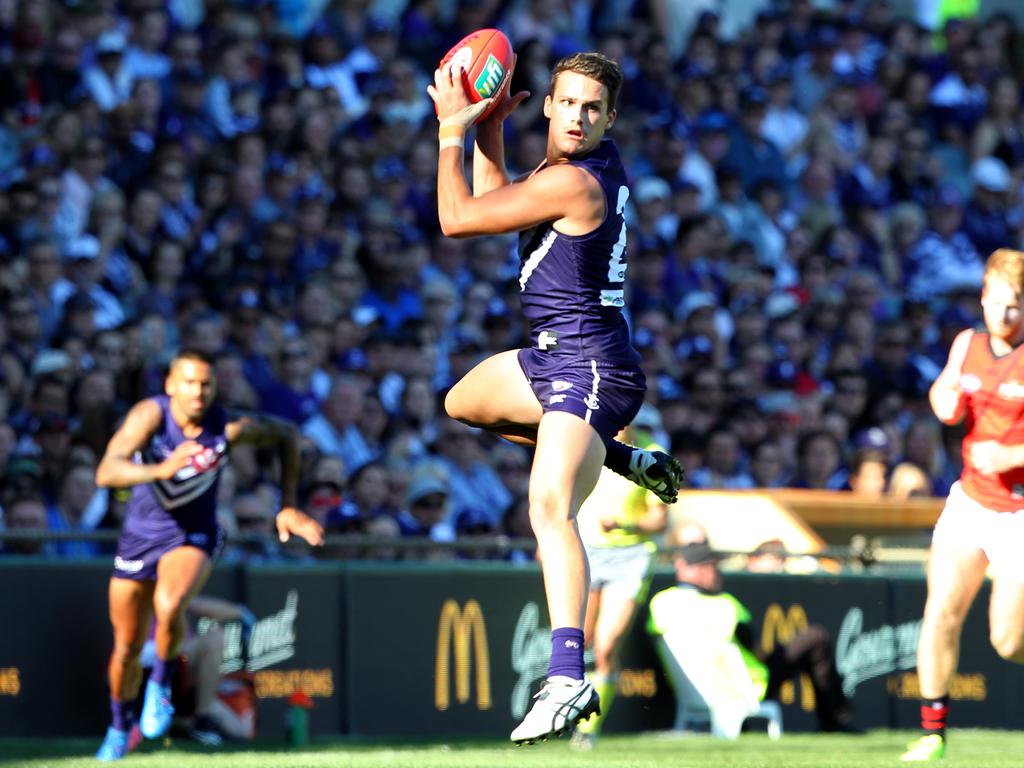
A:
[138,553]
[605,396]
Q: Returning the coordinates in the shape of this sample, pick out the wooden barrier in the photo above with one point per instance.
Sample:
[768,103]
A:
[805,520]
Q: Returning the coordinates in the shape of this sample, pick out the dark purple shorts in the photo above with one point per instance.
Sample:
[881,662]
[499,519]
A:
[605,396]
[137,555]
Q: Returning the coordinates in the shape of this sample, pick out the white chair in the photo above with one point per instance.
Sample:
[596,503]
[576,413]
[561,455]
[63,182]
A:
[713,687]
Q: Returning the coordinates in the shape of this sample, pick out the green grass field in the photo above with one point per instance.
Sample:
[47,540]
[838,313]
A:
[974,748]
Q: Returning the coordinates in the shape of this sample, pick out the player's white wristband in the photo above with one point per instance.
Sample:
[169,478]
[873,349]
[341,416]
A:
[451,134]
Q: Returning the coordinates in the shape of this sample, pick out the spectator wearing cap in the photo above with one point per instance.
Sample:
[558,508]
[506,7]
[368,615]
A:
[755,157]
[988,222]
[84,270]
[944,259]
[869,464]
[654,217]
[712,131]
[109,80]
[427,511]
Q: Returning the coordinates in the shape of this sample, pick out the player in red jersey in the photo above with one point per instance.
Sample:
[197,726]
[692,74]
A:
[982,524]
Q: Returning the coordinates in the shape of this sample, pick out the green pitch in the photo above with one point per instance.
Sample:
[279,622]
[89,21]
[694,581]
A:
[973,748]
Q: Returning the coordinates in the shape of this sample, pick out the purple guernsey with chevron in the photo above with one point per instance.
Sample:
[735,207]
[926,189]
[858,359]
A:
[572,286]
[181,511]
[581,360]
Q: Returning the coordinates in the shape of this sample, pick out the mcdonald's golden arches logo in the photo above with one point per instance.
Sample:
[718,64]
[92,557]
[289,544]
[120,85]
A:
[458,628]
[780,627]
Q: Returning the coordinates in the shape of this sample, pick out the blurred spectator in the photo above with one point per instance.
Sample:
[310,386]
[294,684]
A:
[79,507]
[428,511]
[28,513]
[868,470]
[722,467]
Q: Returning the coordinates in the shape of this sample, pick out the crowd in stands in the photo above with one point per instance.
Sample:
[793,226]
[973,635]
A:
[814,191]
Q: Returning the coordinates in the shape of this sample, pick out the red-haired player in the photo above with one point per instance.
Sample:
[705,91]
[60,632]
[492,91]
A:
[982,524]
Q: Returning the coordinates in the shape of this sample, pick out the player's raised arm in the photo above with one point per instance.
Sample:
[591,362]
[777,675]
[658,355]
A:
[946,397]
[489,172]
[268,432]
[117,468]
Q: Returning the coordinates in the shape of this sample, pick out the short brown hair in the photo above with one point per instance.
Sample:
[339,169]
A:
[596,66]
[1008,265]
[191,353]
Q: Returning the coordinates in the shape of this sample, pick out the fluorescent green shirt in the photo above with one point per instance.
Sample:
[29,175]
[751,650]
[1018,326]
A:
[714,617]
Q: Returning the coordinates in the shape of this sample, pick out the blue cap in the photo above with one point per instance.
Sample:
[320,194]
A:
[379,25]
[948,196]
[280,164]
[754,95]
[40,154]
[713,122]
[872,438]
[825,37]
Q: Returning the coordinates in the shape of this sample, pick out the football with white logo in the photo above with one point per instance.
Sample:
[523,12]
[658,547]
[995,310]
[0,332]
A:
[486,57]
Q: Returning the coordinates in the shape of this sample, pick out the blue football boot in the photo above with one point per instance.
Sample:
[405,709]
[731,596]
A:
[114,746]
[156,711]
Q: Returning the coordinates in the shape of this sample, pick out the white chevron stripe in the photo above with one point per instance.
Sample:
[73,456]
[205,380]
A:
[535,258]
[194,490]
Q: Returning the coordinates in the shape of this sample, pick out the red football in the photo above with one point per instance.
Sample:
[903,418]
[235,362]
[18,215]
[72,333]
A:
[486,56]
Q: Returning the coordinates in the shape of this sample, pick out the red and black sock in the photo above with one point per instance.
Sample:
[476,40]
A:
[933,715]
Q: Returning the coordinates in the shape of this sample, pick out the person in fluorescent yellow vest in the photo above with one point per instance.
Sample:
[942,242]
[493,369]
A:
[618,523]
[697,616]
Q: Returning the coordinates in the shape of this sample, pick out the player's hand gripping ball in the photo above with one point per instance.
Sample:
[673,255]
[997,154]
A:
[486,58]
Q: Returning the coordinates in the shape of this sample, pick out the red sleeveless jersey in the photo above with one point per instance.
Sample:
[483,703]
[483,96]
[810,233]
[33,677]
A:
[994,387]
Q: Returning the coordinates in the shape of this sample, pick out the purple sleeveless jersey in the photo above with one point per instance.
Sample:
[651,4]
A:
[581,359]
[166,514]
[572,286]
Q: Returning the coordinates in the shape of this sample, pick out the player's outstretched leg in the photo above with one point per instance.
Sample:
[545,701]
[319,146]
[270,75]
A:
[658,472]
[929,747]
[558,707]
[157,710]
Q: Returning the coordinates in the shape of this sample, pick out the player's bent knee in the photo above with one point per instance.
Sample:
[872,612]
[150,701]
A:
[1009,645]
[124,654]
[168,607]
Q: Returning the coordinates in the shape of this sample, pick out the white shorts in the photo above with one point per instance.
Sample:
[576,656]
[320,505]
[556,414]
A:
[966,524]
[622,570]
